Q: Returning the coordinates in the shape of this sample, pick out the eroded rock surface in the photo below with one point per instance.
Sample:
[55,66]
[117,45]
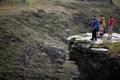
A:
[95,63]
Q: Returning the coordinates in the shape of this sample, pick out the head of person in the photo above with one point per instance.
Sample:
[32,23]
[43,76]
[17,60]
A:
[102,15]
[111,17]
[92,19]
[98,16]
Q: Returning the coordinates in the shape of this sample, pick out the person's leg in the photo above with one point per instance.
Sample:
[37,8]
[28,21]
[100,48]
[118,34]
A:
[92,35]
[111,32]
[101,29]
[104,29]
[108,31]
[95,34]
[97,30]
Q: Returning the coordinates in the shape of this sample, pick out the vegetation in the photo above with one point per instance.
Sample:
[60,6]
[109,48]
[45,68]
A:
[112,47]
[38,21]
[27,29]
[117,2]
[95,64]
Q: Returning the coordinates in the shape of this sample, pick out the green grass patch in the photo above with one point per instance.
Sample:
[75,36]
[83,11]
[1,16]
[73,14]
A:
[117,2]
[32,1]
[112,47]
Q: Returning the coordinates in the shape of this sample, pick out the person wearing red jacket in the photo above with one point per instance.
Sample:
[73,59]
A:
[110,28]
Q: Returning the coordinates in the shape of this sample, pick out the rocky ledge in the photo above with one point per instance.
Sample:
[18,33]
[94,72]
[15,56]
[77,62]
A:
[94,63]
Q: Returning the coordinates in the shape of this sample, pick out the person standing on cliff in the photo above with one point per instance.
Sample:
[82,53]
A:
[103,23]
[94,29]
[110,28]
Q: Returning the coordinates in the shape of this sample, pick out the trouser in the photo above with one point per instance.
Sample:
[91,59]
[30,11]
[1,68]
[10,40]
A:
[94,36]
[110,31]
[101,28]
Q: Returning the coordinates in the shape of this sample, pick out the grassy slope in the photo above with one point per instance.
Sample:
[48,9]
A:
[117,2]
[40,22]
[30,26]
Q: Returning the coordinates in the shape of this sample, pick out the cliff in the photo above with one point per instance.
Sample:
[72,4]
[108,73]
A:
[95,63]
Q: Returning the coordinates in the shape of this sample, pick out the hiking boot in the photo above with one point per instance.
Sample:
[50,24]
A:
[91,39]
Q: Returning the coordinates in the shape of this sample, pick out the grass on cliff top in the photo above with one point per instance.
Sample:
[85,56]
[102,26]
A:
[114,48]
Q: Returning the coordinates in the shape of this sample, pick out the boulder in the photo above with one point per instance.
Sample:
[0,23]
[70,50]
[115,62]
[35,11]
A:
[95,63]
[60,61]
[54,52]
[100,52]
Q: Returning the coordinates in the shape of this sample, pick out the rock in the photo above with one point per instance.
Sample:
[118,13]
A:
[87,36]
[100,52]
[60,61]
[95,63]
[29,51]
[62,54]
[43,54]
[26,60]
[115,57]
[54,52]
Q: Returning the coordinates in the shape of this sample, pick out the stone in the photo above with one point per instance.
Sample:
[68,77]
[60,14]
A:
[29,51]
[60,61]
[100,52]
[87,36]
[95,63]
[26,60]
[54,52]
[115,57]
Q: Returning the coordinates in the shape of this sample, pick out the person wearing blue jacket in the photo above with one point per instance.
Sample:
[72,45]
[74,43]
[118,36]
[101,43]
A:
[94,29]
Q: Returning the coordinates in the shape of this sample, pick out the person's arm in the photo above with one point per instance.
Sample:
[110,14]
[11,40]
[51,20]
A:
[95,25]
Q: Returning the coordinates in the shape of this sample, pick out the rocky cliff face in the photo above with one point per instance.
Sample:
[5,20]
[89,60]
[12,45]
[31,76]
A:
[94,63]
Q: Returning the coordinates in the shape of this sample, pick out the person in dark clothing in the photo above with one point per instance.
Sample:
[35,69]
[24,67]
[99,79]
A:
[94,29]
